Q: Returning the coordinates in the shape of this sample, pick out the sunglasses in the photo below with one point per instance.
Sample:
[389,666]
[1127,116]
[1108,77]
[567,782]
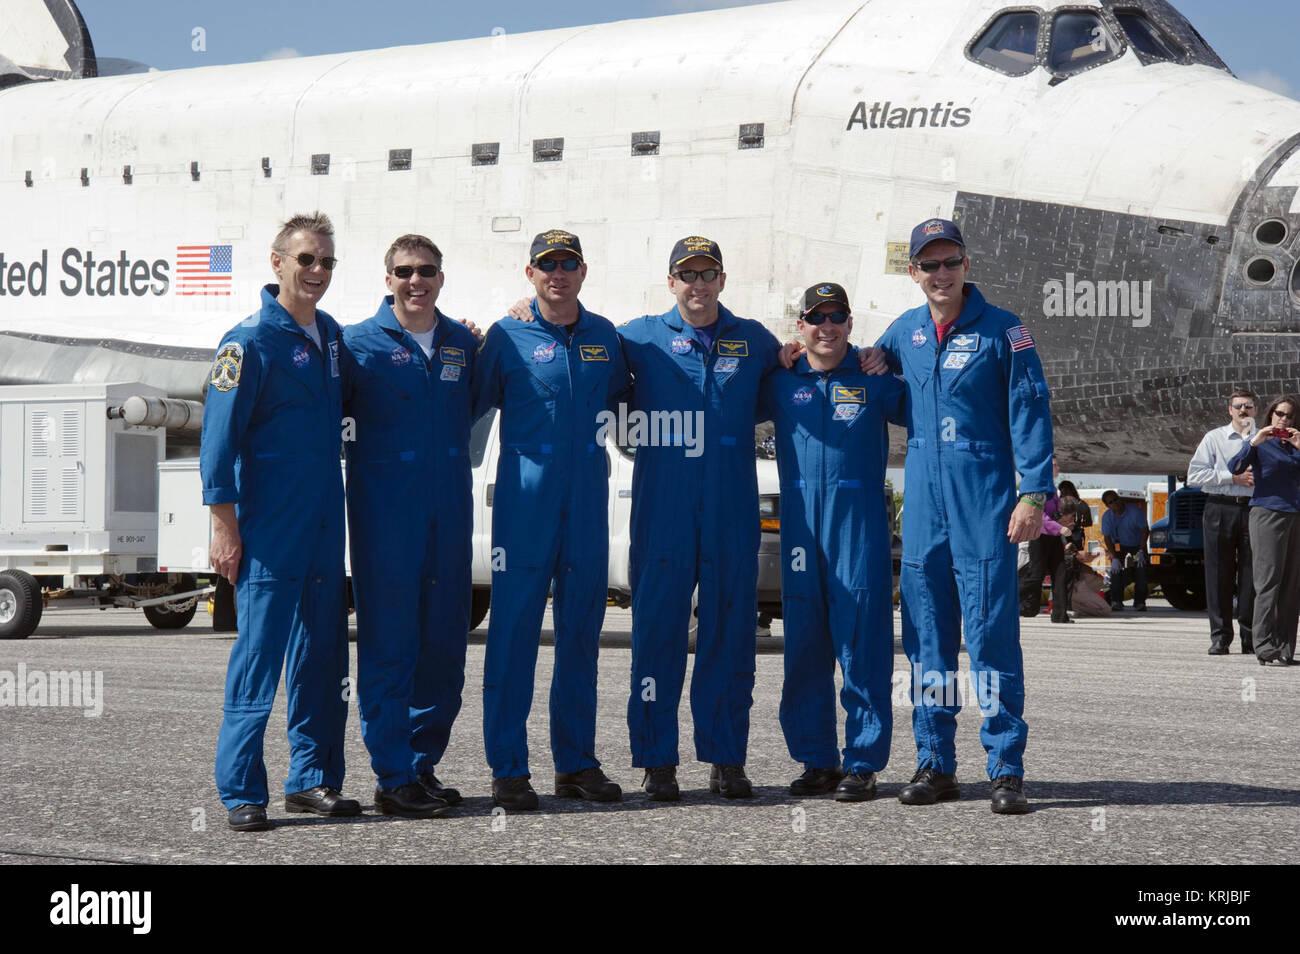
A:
[817,317]
[689,275]
[930,266]
[406,271]
[307,259]
[1243,407]
[1281,413]
[551,264]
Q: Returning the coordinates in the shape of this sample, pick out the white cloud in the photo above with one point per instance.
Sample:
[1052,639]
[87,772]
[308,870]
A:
[1269,81]
[281,53]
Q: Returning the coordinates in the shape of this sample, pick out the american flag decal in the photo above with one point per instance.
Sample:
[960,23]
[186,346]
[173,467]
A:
[1020,338]
[203,269]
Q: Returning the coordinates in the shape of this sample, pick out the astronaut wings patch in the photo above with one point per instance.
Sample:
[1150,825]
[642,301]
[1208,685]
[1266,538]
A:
[227,366]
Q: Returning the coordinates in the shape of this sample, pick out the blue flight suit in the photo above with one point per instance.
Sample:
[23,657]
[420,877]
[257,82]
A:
[695,520]
[550,522]
[832,446]
[271,445]
[411,522]
[978,411]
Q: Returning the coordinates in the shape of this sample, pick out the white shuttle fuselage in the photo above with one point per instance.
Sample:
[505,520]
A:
[807,138]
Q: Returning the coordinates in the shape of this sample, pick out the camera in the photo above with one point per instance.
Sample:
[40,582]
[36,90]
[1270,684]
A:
[1281,432]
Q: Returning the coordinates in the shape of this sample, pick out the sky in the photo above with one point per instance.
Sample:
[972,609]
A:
[1256,38]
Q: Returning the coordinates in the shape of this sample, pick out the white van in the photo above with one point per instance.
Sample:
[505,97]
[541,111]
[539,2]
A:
[184,525]
[484,449]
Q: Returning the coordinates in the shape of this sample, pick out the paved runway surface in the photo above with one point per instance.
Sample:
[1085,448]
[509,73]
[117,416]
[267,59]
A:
[1142,749]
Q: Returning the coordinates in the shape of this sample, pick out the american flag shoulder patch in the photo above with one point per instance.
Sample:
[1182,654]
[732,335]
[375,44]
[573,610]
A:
[1020,338]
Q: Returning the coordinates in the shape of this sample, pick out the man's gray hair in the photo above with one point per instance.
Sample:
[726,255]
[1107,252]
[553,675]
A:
[317,222]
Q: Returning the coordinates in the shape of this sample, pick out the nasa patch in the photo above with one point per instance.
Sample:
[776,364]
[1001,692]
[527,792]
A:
[451,372]
[918,338]
[544,353]
[802,397]
[681,345]
[400,357]
[726,365]
[227,366]
[847,412]
[956,359]
[301,356]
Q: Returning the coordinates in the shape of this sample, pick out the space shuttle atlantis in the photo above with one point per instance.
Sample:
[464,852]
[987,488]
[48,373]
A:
[1118,187]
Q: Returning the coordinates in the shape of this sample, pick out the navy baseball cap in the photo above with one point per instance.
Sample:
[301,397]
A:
[934,230]
[691,247]
[555,240]
[824,292]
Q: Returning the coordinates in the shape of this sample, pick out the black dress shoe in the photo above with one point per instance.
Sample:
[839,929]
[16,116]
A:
[515,794]
[590,783]
[1271,658]
[1218,649]
[816,781]
[411,800]
[1009,796]
[322,800]
[1140,608]
[248,818]
[435,788]
[660,783]
[928,786]
[1117,607]
[730,781]
[856,787]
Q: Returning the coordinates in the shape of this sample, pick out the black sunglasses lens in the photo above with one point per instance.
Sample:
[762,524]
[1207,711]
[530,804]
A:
[551,264]
[406,271]
[307,259]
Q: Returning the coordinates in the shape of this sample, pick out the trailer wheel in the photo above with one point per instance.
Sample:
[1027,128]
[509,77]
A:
[478,607]
[20,604]
[174,615]
[1187,598]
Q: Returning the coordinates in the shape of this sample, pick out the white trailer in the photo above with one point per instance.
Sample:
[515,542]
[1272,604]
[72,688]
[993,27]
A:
[79,503]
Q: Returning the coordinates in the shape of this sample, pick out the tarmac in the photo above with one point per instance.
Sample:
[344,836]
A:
[1142,749]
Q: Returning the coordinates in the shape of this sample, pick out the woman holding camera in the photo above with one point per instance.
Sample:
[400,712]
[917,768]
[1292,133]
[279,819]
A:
[1274,454]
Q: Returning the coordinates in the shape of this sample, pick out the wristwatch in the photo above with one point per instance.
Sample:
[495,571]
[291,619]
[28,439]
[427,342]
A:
[1038,499]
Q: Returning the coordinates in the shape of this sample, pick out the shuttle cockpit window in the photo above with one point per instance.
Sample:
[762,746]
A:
[1009,44]
[1150,42]
[1080,41]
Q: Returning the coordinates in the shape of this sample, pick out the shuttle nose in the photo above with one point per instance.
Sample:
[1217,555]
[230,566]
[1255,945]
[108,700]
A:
[1261,282]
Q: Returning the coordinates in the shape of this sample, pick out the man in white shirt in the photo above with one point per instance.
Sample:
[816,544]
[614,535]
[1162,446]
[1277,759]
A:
[1225,526]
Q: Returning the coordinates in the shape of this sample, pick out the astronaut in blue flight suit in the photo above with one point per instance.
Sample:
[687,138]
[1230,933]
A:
[836,581]
[270,468]
[978,411]
[695,521]
[410,516]
[553,378]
